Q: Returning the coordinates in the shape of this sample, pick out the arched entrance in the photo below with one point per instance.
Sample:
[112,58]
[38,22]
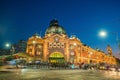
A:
[56,57]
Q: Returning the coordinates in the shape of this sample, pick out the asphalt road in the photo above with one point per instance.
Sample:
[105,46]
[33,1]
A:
[38,74]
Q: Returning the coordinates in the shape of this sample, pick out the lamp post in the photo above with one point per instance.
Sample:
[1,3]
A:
[7,45]
[11,47]
[103,33]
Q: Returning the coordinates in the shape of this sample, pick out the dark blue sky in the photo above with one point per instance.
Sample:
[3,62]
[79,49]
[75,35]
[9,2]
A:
[20,19]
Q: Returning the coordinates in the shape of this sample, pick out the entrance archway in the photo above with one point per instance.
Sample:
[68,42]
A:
[56,57]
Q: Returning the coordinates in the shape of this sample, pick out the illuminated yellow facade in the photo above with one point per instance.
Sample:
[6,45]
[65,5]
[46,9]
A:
[57,47]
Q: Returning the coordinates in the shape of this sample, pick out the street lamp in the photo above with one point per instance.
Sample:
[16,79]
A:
[11,47]
[7,45]
[103,33]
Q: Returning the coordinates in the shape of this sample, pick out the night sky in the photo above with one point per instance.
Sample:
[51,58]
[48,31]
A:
[20,19]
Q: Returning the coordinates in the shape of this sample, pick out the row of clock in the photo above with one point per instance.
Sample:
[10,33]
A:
[58,45]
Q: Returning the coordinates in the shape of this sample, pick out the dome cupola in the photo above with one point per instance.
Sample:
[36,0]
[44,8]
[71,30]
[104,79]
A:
[55,28]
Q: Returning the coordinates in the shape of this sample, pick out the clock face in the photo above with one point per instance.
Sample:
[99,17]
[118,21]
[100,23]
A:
[56,39]
[72,53]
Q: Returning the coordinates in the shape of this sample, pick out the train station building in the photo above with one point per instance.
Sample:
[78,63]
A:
[57,47]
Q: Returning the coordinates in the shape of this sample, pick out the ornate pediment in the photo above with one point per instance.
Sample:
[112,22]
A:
[57,38]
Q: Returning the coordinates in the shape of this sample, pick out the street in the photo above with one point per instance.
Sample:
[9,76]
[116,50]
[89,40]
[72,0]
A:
[46,74]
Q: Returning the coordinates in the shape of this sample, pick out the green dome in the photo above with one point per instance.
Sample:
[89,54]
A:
[55,28]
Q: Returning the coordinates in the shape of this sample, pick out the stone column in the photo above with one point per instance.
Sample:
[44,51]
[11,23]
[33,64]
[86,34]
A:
[27,49]
[45,51]
[67,51]
[81,48]
[33,50]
